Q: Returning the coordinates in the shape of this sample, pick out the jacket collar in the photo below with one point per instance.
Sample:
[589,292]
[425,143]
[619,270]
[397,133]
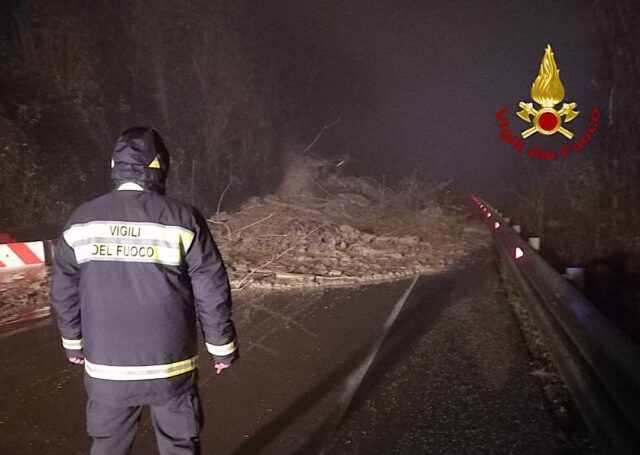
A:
[130,186]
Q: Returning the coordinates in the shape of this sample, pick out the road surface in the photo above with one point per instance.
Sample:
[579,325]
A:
[452,376]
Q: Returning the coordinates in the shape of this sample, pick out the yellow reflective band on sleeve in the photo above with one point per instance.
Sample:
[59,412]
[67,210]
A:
[139,373]
[223,350]
[129,242]
[72,344]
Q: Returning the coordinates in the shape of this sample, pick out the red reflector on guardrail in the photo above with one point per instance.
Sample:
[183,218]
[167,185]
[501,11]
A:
[496,225]
[5,237]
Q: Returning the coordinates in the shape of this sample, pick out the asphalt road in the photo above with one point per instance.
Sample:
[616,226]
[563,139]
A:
[451,377]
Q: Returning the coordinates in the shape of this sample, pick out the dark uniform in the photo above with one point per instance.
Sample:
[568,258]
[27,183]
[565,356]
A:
[132,274]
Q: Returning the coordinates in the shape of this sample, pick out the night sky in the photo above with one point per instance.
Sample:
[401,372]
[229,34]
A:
[417,84]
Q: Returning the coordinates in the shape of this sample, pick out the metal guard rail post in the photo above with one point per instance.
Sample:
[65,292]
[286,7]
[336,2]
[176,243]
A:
[599,364]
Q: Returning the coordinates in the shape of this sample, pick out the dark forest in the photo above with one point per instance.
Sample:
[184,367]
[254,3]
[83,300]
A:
[238,90]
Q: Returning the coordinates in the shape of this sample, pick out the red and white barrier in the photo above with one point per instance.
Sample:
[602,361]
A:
[21,254]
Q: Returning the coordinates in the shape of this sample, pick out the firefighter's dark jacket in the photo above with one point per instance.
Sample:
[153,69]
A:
[133,272]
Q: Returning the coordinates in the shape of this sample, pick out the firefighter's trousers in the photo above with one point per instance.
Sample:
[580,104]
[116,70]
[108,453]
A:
[177,425]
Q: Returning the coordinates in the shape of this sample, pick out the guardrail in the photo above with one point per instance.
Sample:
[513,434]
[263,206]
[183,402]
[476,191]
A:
[21,248]
[599,364]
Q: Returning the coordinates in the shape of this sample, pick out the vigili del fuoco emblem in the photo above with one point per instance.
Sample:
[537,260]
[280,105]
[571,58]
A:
[547,91]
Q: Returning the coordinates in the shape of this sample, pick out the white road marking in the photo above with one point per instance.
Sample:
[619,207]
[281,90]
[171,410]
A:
[355,379]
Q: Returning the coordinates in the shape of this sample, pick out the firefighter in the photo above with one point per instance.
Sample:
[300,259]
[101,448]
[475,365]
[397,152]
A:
[133,273]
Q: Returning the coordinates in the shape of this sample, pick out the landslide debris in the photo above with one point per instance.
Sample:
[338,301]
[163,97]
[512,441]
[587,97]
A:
[356,231]
[353,230]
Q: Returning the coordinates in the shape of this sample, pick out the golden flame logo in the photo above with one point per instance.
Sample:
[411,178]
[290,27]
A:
[547,90]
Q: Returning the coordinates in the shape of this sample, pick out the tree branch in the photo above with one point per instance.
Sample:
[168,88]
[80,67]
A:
[326,127]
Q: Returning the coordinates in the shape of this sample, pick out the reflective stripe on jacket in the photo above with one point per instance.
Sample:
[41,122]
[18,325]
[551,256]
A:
[138,373]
